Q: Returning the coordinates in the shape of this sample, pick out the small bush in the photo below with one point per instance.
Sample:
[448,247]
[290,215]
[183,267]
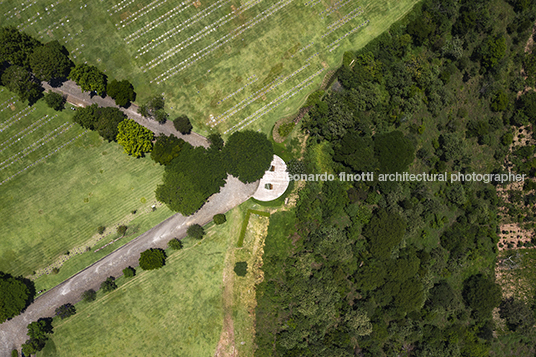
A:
[122,230]
[55,271]
[89,295]
[175,244]
[14,353]
[183,125]
[152,259]
[220,218]
[285,129]
[108,285]
[129,272]
[66,310]
[196,231]
[241,268]
[101,229]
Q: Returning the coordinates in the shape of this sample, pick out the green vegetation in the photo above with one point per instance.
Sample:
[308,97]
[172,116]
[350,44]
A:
[108,285]
[89,78]
[65,311]
[122,92]
[166,148]
[103,120]
[17,294]
[89,295]
[129,272]
[241,268]
[175,244]
[219,218]
[154,109]
[245,224]
[152,259]
[55,100]
[182,124]
[135,138]
[50,61]
[196,231]
[38,332]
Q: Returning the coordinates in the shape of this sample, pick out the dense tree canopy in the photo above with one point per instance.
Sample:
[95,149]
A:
[166,148]
[55,100]
[394,152]
[152,259]
[15,295]
[135,139]
[122,92]
[38,332]
[482,295]
[248,155]
[50,61]
[89,78]
[20,81]
[16,47]
[182,124]
[103,120]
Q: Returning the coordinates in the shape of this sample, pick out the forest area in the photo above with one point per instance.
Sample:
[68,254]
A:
[408,268]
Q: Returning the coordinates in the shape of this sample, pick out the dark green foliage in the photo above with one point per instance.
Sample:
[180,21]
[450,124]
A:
[121,230]
[175,244]
[518,315]
[55,100]
[248,155]
[196,231]
[241,268]
[14,353]
[103,120]
[65,310]
[21,82]
[441,295]
[285,129]
[356,152]
[129,272]
[89,78]
[101,229]
[152,259]
[15,295]
[482,295]
[219,218]
[16,47]
[393,151]
[384,232]
[122,92]
[191,178]
[38,332]
[182,124]
[296,167]
[421,28]
[492,50]
[108,285]
[499,102]
[529,64]
[166,148]
[528,104]
[89,295]
[216,141]
[154,109]
[50,61]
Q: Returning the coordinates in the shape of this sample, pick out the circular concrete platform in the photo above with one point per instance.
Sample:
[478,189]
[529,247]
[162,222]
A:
[274,182]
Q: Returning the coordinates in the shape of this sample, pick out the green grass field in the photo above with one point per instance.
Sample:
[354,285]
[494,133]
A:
[225,63]
[173,311]
[57,194]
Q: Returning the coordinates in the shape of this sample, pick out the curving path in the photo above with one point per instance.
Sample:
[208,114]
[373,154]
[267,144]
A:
[77,97]
[13,332]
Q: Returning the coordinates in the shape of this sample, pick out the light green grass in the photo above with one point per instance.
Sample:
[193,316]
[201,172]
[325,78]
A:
[245,224]
[173,311]
[268,51]
[57,204]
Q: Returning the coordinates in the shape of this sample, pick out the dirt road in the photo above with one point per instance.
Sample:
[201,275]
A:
[13,332]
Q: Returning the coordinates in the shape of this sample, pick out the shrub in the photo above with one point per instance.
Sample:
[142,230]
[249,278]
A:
[175,244]
[108,285]
[129,272]
[183,125]
[122,230]
[196,231]
[241,268]
[55,270]
[220,218]
[285,129]
[152,259]
[54,100]
[14,353]
[65,310]
[89,295]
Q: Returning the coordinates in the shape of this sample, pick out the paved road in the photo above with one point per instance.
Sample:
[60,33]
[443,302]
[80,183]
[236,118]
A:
[13,332]
[76,96]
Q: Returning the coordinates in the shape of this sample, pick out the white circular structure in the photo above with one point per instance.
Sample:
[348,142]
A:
[274,182]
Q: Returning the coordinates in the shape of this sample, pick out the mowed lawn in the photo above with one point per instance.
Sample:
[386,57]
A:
[174,311]
[227,64]
[58,193]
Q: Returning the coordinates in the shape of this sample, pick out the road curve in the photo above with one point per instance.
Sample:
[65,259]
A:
[13,332]
[77,97]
